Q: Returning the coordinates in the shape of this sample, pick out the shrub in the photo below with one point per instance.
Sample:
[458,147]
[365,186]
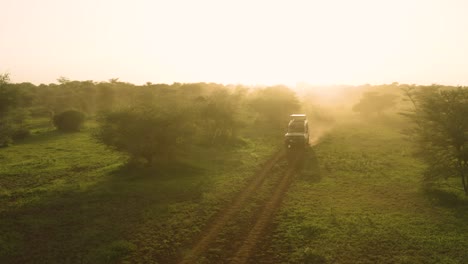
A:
[20,133]
[69,121]
[5,139]
[146,133]
[13,126]
[274,105]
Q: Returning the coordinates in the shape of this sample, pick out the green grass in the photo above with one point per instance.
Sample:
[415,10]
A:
[64,198]
[360,199]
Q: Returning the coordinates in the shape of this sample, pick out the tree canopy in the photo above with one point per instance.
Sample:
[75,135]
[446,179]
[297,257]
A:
[274,105]
[441,130]
[375,103]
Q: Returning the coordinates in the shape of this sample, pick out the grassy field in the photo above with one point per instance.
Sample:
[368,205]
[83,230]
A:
[360,199]
[66,199]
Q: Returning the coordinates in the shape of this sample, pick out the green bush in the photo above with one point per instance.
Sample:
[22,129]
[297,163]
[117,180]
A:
[13,126]
[20,133]
[5,138]
[274,104]
[69,121]
[146,133]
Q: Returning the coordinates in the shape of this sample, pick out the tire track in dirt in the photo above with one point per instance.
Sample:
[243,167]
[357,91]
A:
[266,216]
[224,216]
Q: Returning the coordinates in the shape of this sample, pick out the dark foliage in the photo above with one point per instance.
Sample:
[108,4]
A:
[12,112]
[69,121]
[373,103]
[20,133]
[440,116]
[274,105]
[145,133]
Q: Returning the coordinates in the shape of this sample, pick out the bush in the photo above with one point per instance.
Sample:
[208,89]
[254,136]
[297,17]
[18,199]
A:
[146,133]
[69,121]
[13,127]
[5,139]
[20,133]
[274,105]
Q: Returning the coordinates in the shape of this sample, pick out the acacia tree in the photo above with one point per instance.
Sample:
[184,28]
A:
[219,112]
[151,134]
[274,105]
[441,131]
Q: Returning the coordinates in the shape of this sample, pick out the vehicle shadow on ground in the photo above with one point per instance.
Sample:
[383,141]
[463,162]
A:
[307,164]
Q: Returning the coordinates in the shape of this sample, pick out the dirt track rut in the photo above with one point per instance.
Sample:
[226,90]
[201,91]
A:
[244,248]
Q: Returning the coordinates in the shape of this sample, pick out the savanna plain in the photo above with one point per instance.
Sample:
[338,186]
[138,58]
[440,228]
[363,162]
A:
[113,172]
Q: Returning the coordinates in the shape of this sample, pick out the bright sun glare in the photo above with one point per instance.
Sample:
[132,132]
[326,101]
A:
[251,42]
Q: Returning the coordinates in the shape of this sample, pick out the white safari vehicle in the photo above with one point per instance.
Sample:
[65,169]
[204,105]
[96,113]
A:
[297,135]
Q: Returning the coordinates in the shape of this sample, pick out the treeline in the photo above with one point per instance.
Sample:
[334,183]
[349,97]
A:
[437,124]
[158,122]
[152,122]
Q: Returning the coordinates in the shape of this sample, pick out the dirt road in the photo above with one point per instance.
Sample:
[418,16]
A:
[234,234]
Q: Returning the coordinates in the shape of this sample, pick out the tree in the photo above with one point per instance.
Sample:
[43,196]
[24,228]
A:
[151,134]
[219,115]
[63,80]
[275,104]
[374,103]
[9,97]
[11,116]
[69,121]
[441,130]
[105,96]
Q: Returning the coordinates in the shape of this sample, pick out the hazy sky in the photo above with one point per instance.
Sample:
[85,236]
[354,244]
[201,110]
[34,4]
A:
[238,41]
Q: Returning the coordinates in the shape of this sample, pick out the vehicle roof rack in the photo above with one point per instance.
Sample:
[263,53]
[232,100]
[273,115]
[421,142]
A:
[298,116]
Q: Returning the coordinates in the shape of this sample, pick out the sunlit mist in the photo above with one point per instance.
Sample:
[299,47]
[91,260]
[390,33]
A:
[251,42]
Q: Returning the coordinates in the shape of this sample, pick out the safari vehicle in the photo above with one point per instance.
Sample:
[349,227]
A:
[297,135]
